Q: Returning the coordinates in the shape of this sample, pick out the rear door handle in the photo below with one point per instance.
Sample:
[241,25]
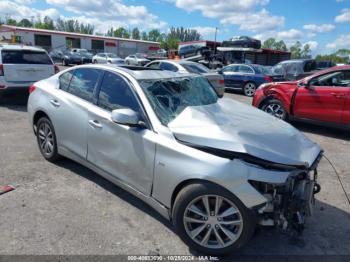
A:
[95,124]
[54,102]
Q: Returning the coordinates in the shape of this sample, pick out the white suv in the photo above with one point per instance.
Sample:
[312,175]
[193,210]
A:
[21,66]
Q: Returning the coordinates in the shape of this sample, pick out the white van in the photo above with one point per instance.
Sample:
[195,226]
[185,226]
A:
[21,66]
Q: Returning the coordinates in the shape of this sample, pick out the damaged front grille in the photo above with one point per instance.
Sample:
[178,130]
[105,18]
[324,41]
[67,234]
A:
[290,203]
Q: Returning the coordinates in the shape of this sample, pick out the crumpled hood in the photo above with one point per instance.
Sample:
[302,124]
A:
[233,126]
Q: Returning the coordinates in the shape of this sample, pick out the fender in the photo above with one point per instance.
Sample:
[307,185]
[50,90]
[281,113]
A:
[281,95]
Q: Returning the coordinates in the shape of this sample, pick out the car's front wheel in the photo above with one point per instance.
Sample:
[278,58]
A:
[211,220]
[275,107]
[46,138]
[249,89]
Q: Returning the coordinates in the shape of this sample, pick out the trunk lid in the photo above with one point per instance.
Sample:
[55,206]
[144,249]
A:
[215,79]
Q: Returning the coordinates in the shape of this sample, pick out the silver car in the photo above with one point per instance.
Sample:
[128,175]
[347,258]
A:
[182,66]
[107,58]
[167,138]
[137,59]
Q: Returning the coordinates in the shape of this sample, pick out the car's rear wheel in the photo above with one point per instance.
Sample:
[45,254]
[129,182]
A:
[211,220]
[46,138]
[249,89]
[275,107]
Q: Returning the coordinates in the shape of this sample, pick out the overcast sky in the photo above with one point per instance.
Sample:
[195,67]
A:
[324,24]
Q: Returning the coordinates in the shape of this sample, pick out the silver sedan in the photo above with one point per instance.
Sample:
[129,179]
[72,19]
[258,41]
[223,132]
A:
[185,67]
[167,138]
[107,58]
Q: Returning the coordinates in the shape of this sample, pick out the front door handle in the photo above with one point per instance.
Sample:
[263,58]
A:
[95,124]
[54,102]
[337,95]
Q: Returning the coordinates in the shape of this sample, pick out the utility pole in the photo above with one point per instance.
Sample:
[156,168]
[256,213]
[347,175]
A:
[216,30]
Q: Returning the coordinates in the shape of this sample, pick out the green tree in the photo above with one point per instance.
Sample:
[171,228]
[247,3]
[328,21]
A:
[11,21]
[135,34]
[281,45]
[86,29]
[271,43]
[25,23]
[306,52]
[154,35]
[144,36]
[110,32]
[296,51]
[183,34]
[121,32]
[332,58]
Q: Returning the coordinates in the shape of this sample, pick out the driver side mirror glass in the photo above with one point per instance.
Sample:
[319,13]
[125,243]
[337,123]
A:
[128,117]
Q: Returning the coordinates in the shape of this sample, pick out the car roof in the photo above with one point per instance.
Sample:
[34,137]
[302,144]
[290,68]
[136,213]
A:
[297,61]
[180,62]
[139,72]
[20,47]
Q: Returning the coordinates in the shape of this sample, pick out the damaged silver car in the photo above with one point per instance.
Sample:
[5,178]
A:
[214,167]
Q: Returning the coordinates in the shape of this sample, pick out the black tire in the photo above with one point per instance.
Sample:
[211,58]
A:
[276,108]
[193,191]
[53,155]
[249,89]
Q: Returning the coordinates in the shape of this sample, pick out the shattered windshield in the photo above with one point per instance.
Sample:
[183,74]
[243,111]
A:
[169,97]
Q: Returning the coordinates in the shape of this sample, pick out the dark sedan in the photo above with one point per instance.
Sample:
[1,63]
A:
[244,77]
[242,41]
[192,50]
[76,57]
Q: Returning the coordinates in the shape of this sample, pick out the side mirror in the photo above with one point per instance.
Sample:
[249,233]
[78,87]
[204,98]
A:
[128,117]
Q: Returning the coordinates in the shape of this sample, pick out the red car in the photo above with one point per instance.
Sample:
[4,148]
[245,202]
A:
[322,97]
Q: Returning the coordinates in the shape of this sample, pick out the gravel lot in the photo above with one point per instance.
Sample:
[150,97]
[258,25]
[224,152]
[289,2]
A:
[65,208]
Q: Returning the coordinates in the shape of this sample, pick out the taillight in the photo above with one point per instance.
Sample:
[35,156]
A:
[268,79]
[1,70]
[221,81]
[56,68]
[31,89]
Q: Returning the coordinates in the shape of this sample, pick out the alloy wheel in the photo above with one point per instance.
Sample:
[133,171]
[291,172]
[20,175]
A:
[249,89]
[275,110]
[46,139]
[213,221]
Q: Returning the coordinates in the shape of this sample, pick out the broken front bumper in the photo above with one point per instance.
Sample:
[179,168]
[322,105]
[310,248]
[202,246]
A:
[289,203]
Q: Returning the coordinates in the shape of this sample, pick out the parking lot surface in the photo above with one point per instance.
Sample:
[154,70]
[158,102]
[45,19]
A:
[66,209]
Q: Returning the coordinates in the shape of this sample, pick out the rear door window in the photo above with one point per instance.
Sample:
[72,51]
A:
[115,93]
[154,65]
[84,82]
[169,67]
[65,79]
[233,68]
[196,69]
[25,57]
[245,70]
